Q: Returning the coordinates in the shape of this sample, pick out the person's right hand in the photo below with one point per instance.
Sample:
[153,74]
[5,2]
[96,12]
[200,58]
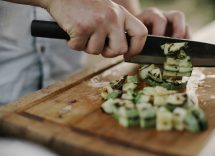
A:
[90,23]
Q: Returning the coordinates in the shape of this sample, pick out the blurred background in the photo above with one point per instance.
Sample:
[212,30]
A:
[198,13]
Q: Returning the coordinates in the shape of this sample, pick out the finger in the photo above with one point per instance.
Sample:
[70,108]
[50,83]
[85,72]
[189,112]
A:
[117,41]
[155,21]
[78,43]
[109,53]
[138,33]
[188,32]
[96,43]
[159,24]
[178,22]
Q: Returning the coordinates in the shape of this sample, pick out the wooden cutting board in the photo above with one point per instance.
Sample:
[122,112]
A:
[67,118]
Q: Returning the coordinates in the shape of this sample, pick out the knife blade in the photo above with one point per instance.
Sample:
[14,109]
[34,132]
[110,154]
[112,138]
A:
[202,54]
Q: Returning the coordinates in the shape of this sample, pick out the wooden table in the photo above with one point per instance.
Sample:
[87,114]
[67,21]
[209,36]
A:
[66,116]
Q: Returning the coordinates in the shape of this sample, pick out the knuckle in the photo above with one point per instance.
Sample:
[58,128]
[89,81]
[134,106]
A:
[163,20]
[82,29]
[178,14]
[99,19]
[111,15]
[143,32]
[92,51]
[76,45]
[153,10]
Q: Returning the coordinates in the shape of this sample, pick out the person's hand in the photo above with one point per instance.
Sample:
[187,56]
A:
[162,23]
[90,23]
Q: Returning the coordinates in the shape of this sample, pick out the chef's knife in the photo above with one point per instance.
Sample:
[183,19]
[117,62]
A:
[202,54]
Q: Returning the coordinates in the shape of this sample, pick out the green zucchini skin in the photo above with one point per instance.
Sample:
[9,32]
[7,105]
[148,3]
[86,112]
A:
[167,85]
[191,123]
[148,123]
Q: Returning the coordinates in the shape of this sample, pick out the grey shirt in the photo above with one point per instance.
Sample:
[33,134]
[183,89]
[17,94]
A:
[28,63]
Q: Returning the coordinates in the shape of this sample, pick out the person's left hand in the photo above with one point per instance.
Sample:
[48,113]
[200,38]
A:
[162,23]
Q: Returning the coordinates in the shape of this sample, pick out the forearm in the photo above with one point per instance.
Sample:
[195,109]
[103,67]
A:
[131,5]
[41,3]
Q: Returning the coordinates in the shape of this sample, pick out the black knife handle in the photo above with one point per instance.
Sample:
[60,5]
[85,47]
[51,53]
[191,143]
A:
[48,29]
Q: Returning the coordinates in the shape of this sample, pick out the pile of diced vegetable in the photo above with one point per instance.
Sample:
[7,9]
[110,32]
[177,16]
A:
[153,98]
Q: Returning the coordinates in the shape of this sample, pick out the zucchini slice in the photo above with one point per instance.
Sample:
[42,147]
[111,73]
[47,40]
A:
[129,122]
[164,120]
[172,61]
[179,115]
[132,79]
[171,68]
[144,71]
[128,95]
[176,99]
[199,114]
[186,62]
[148,113]
[167,85]
[141,98]
[167,73]
[126,112]
[129,86]
[160,100]
[191,123]
[107,106]
[185,69]
[173,48]
[155,74]
[147,123]
[115,94]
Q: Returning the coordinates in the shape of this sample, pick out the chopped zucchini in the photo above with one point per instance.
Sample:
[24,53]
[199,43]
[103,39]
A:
[117,85]
[147,113]
[148,91]
[185,69]
[129,122]
[147,123]
[186,62]
[199,114]
[143,106]
[191,123]
[128,95]
[179,115]
[160,100]
[129,86]
[188,74]
[129,113]
[176,99]
[155,74]
[173,48]
[181,54]
[107,106]
[115,94]
[144,71]
[167,73]
[132,79]
[167,85]
[159,105]
[164,120]
[172,61]
[142,99]
[171,68]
